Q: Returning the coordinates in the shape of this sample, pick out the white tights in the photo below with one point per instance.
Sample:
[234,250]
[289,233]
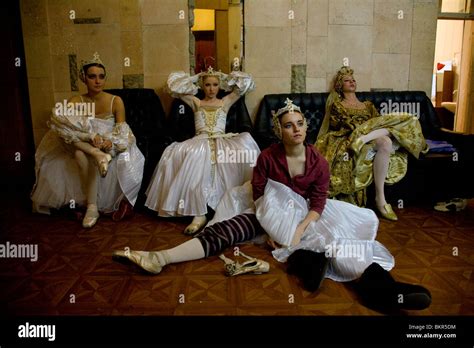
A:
[383,146]
[89,172]
[187,251]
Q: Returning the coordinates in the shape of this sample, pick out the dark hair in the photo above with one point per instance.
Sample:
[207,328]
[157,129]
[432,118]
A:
[281,116]
[86,67]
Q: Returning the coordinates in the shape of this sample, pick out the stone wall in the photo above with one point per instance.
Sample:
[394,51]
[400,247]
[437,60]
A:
[58,34]
[290,45]
[298,45]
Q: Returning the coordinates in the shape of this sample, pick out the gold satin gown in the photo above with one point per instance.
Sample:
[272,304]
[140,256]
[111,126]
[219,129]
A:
[350,174]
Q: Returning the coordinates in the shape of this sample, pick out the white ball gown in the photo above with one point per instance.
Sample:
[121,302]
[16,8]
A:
[345,233]
[196,173]
[58,181]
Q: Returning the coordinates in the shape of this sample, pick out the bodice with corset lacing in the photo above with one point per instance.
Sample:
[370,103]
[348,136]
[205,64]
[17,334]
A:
[210,120]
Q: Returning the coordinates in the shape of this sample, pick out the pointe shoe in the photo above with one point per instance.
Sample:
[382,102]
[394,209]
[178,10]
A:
[387,212]
[194,227]
[145,260]
[104,165]
[455,204]
[254,266]
[229,263]
[90,219]
[356,146]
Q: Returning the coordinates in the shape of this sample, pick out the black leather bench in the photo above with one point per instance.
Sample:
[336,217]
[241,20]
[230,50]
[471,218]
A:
[147,119]
[432,178]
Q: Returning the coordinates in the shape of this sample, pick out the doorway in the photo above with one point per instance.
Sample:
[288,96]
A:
[218,34]
[452,89]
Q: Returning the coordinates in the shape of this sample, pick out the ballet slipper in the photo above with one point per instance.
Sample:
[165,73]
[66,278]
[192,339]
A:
[104,165]
[254,266]
[455,204]
[195,226]
[92,214]
[145,260]
[102,160]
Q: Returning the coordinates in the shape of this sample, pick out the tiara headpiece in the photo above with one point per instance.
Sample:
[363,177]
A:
[289,107]
[210,73]
[95,60]
[344,71]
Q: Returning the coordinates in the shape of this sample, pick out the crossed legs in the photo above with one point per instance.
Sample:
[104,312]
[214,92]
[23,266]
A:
[89,178]
[383,146]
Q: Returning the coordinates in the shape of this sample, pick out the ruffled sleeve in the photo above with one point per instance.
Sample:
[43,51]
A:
[180,83]
[239,81]
[71,128]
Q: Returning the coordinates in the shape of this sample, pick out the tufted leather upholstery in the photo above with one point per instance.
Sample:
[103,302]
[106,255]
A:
[181,120]
[146,118]
[433,177]
[313,106]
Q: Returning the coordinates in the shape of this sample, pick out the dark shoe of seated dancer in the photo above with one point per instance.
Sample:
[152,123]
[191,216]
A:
[309,266]
[376,287]
[379,291]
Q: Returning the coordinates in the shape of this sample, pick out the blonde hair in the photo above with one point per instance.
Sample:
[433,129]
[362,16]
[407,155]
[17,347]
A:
[210,73]
[335,95]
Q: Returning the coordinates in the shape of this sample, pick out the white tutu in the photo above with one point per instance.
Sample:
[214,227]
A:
[186,181]
[196,173]
[344,232]
[58,180]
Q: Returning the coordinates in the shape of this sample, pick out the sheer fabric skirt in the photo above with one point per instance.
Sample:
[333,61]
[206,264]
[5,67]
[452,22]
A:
[196,173]
[345,233]
[58,178]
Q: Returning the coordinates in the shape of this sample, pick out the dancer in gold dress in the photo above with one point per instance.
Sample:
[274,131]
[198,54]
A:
[362,146]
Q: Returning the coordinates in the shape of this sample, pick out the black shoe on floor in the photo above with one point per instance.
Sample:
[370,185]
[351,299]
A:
[309,266]
[379,291]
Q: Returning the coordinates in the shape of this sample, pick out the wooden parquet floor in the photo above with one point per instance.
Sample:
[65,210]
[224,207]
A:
[75,273]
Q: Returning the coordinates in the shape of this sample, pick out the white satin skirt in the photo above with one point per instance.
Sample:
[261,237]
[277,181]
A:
[58,180]
[345,233]
[196,173]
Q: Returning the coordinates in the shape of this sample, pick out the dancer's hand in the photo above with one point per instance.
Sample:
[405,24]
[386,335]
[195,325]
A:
[298,234]
[97,141]
[106,146]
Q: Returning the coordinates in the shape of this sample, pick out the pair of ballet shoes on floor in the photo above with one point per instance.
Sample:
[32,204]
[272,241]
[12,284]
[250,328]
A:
[455,204]
[253,265]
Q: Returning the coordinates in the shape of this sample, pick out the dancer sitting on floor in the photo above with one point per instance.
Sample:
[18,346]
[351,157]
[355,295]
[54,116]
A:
[310,233]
